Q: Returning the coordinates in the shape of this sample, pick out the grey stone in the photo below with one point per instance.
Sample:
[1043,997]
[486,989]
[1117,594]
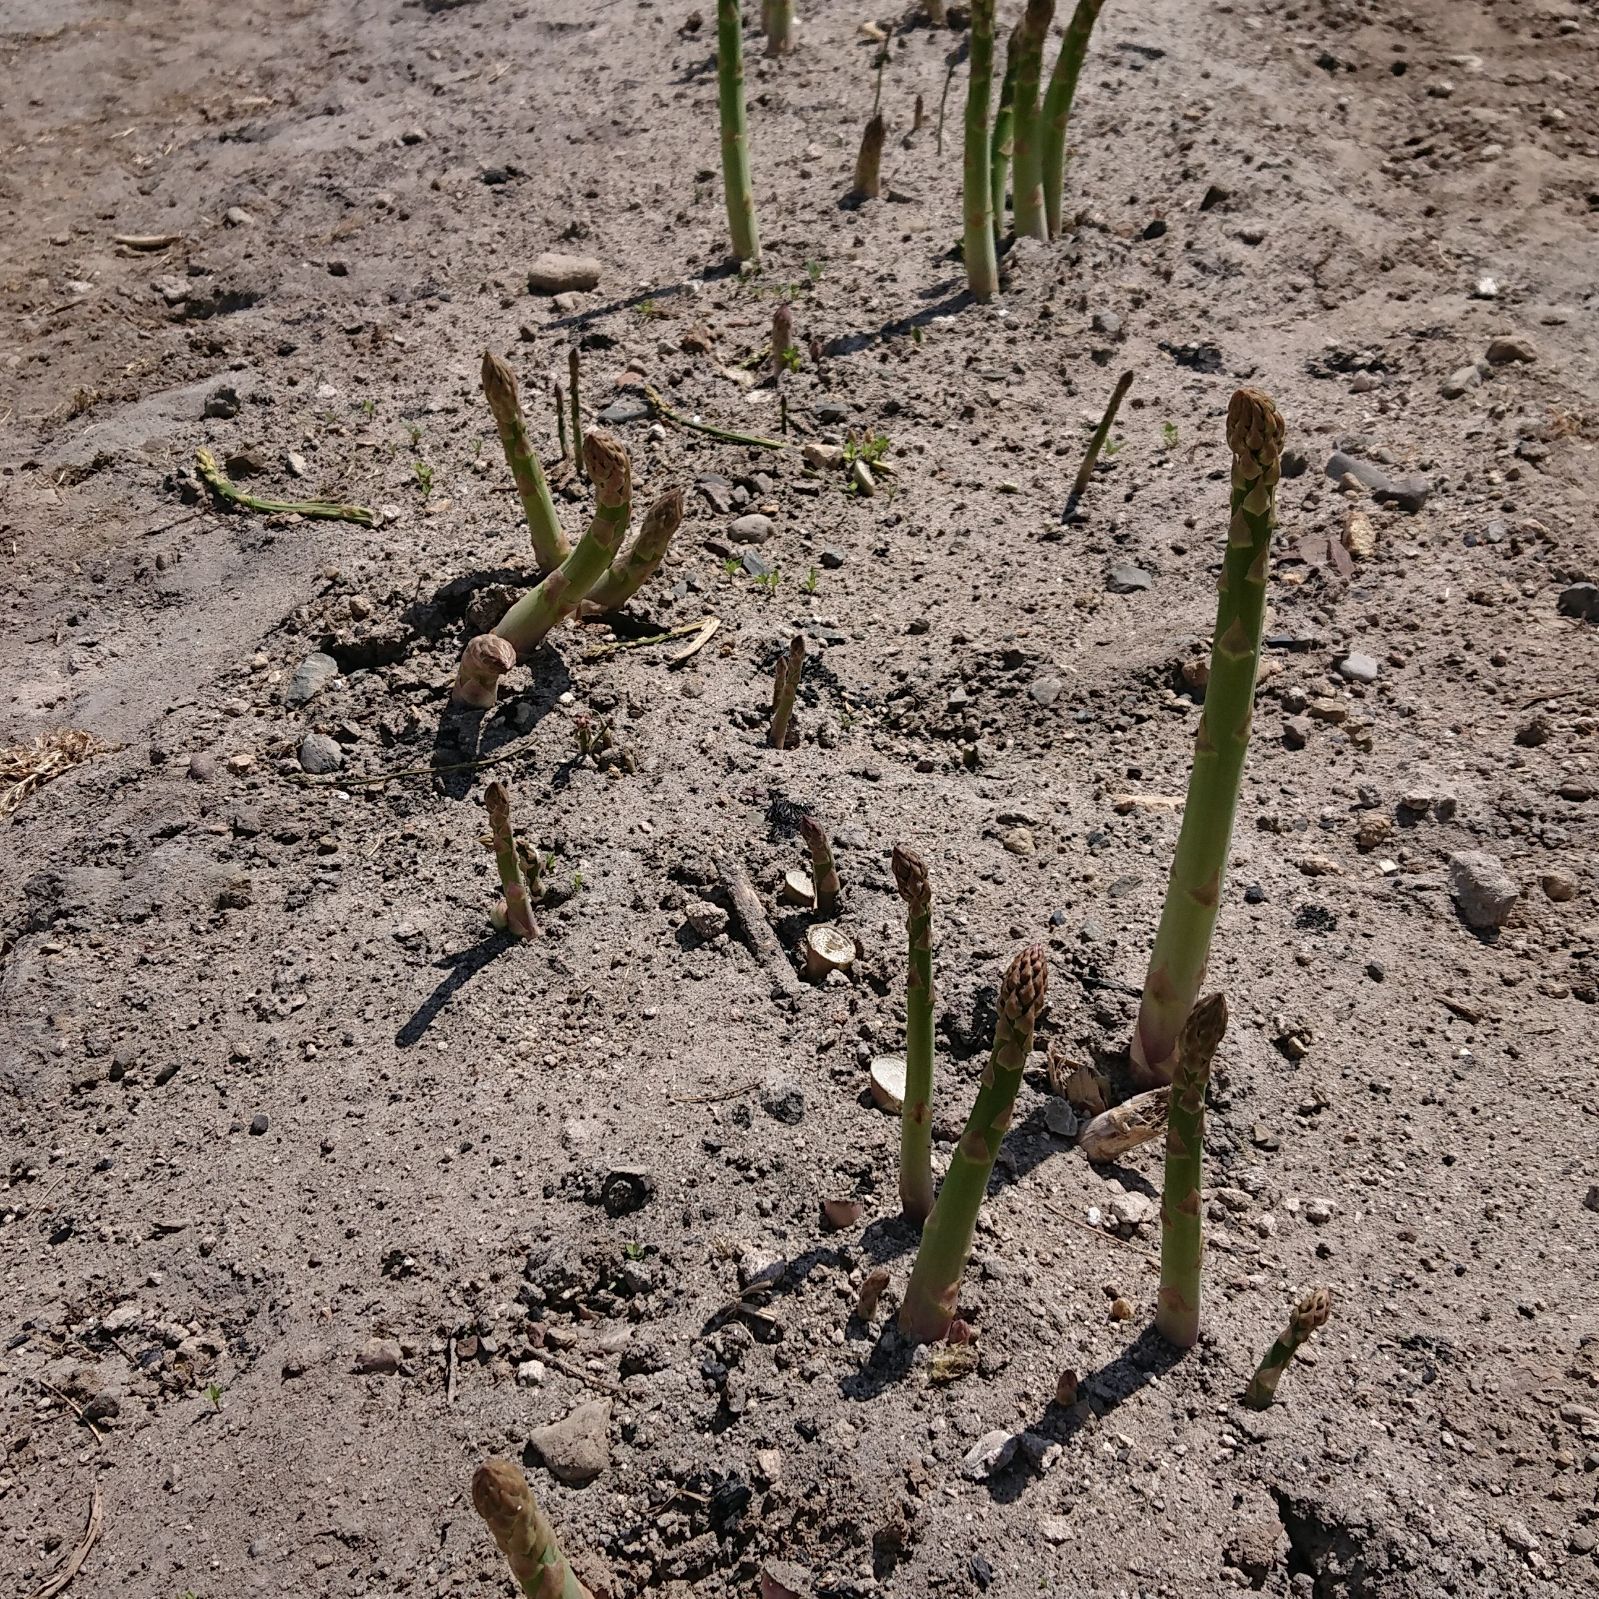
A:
[718,492]
[1483,890]
[1131,1209]
[577,1448]
[377,1357]
[756,565]
[552,273]
[311,676]
[1047,690]
[832,557]
[1581,601]
[1340,466]
[1459,382]
[752,529]
[1125,579]
[222,402]
[1408,493]
[830,412]
[626,408]
[993,1452]
[259,1123]
[320,754]
[783,1100]
[1359,668]
[1106,323]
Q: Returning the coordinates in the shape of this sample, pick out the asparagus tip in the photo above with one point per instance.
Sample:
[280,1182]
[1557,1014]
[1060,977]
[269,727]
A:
[910,877]
[1025,986]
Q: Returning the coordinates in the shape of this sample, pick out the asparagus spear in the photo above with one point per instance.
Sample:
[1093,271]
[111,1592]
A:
[633,568]
[524,626]
[982,264]
[779,24]
[1182,1236]
[499,387]
[868,183]
[1310,1313]
[1004,140]
[916,1112]
[782,338]
[573,372]
[1106,422]
[785,683]
[1193,892]
[560,418]
[735,134]
[527,1540]
[1057,108]
[824,874]
[1027,180]
[515,911]
[934,1290]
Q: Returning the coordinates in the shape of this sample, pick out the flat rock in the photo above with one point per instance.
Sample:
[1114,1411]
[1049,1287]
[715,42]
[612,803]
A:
[626,408]
[1125,579]
[1484,892]
[1358,668]
[1459,382]
[320,754]
[1408,493]
[752,529]
[311,676]
[993,1452]
[577,1448]
[552,273]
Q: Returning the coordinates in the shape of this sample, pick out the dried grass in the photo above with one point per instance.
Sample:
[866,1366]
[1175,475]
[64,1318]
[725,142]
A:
[26,768]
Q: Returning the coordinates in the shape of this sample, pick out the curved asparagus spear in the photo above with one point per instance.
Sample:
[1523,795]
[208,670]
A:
[934,1290]
[1057,108]
[515,909]
[1182,1234]
[1004,140]
[785,684]
[633,568]
[735,134]
[503,1499]
[1310,1313]
[916,1112]
[1027,179]
[824,874]
[524,626]
[1193,892]
[982,265]
[499,388]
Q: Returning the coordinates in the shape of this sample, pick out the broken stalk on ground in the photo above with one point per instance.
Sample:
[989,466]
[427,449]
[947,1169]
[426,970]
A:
[916,1109]
[667,414]
[1310,1313]
[501,1496]
[217,481]
[544,527]
[735,132]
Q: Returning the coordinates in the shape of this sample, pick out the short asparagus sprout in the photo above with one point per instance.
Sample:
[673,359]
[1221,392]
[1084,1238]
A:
[515,911]
[1027,179]
[916,1113]
[1182,1235]
[501,1496]
[1193,892]
[499,387]
[934,1291]
[824,874]
[982,262]
[868,183]
[782,338]
[1310,1313]
[735,132]
[785,684]
[1057,106]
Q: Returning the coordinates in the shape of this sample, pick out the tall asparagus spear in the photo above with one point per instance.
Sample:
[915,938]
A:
[499,387]
[785,684]
[1193,892]
[523,627]
[1027,180]
[735,134]
[868,183]
[515,910]
[824,873]
[916,1112]
[1003,142]
[1057,107]
[1310,1313]
[934,1289]
[503,1499]
[633,568]
[1182,1235]
[982,264]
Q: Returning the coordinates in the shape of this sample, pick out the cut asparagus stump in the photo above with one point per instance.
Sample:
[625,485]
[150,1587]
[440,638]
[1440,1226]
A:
[1310,1313]
[515,910]
[503,1499]
[827,950]
[1193,892]
[631,569]
[824,873]
[934,1291]
[499,388]
[1027,175]
[916,1117]
[982,263]
[1057,107]
[735,133]
[1182,1236]
[785,684]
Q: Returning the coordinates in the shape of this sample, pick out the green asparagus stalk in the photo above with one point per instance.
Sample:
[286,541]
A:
[560,418]
[1106,422]
[916,1112]
[634,567]
[982,263]
[499,386]
[1004,140]
[951,61]
[934,1289]
[1057,108]
[735,135]
[1310,1313]
[824,873]
[1027,180]
[1182,1236]
[574,374]
[785,684]
[503,1499]
[515,911]
[1193,892]
[868,183]
[779,24]
[523,628]
[782,338]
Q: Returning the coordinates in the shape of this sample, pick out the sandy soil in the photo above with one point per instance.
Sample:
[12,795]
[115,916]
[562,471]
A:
[310,1199]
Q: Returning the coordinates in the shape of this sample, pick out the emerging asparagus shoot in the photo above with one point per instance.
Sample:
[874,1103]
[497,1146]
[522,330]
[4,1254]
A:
[1310,1313]
[916,1111]
[515,910]
[735,134]
[824,873]
[1027,180]
[1193,892]
[782,339]
[982,263]
[1101,433]
[1057,107]
[785,684]
[1182,1237]
[868,183]
[499,387]
[503,1499]
[934,1291]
